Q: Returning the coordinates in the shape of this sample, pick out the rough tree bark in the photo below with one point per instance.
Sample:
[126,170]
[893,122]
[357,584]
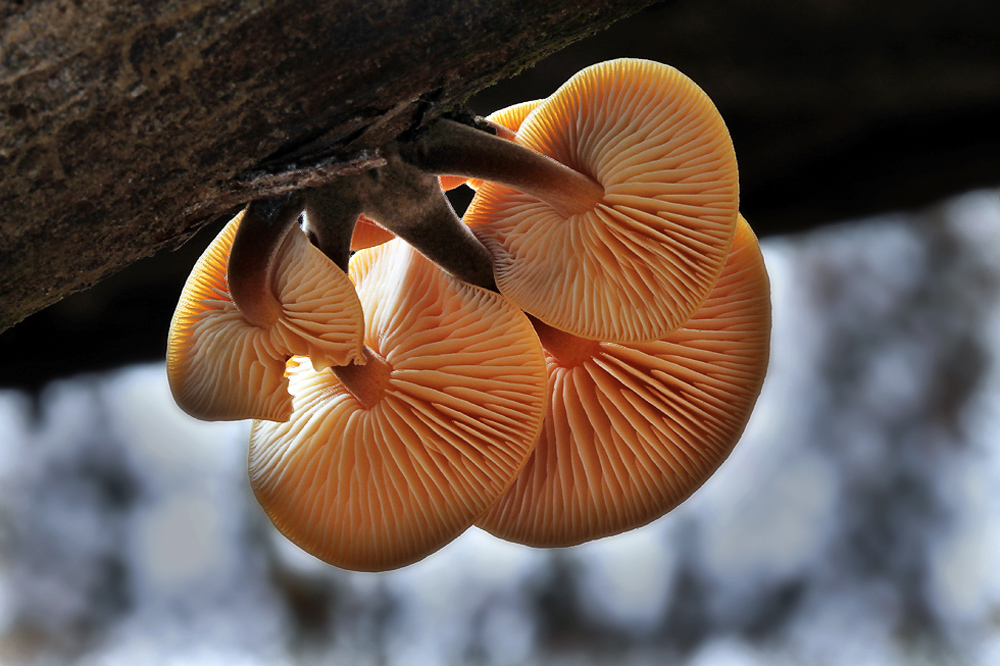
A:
[126,125]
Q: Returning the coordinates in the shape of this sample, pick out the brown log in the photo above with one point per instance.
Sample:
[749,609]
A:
[126,125]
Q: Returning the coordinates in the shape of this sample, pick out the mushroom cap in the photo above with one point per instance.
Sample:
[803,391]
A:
[633,430]
[369,233]
[381,487]
[221,367]
[639,263]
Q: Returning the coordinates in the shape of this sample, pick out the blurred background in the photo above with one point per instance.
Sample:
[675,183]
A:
[857,522]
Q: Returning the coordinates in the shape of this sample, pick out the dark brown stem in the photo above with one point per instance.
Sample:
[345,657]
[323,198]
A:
[367,382]
[410,203]
[331,213]
[264,227]
[451,148]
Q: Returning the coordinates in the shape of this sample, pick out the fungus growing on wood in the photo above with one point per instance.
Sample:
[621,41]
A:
[607,211]
[511,117]
[381,464]
[230,337]
[633,429]
[404,200]
[622,232]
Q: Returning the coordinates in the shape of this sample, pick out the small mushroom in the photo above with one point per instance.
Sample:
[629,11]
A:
[227,361]
[632,430]
[383,463]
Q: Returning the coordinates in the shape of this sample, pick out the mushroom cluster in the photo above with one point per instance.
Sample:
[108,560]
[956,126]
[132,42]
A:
[570,360]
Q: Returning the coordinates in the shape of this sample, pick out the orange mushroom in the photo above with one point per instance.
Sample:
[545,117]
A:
[227,361]
[381,464]
[638,263]
[633,429]
[611,215]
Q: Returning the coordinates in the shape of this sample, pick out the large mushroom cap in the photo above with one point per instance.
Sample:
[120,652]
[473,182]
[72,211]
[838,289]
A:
[639,263]
[459,396]
[633,430]
[221,367]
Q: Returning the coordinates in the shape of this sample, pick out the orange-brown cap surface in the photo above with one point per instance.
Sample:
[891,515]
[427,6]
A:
[633,430]
[637,264]
[220,367]
[454,404]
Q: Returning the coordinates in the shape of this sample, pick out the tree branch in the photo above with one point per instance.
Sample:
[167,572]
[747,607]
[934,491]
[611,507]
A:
[124,125]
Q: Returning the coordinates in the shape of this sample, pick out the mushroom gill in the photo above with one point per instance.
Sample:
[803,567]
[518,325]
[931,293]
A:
[381,464]
[222,367]
[369,233]
[632,430]
[637,264]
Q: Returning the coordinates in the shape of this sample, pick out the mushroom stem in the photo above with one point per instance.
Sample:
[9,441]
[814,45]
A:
[331,213]
[411,204]
[366,382]
[451,148]
[262,231]
[407,202]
